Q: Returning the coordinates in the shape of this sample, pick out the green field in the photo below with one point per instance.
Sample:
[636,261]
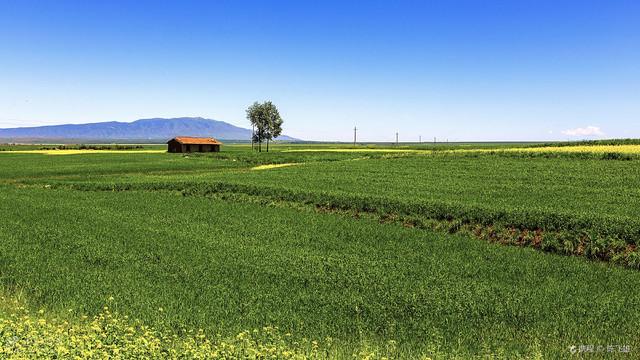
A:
[365,248]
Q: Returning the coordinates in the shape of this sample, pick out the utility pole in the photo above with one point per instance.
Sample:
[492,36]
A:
[355,130]
[396,138]
[434,140]
[419,139]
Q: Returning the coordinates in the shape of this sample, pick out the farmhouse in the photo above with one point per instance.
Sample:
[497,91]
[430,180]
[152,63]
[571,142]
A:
[183,144]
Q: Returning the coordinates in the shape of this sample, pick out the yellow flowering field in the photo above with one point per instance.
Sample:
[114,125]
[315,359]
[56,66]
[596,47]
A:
[349,150]
[108,335]
[81,152]
[623,149]
[597,149]
[273,166]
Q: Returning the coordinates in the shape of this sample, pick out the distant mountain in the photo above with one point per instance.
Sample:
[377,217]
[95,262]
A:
[144,129]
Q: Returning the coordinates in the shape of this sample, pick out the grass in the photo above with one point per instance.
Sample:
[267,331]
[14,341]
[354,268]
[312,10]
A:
[583,207]
[273,166]
[232,266]
[303,249]
[108,335]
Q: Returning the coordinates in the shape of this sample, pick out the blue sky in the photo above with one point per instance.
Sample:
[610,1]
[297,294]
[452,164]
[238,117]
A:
[457,70]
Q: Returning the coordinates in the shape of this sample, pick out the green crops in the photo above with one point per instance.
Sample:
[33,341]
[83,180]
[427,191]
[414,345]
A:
[378,252]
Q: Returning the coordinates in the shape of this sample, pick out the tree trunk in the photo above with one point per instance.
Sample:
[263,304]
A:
[259,146]
[267,144]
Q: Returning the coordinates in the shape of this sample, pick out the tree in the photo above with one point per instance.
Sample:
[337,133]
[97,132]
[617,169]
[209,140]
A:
[273,121]
[254,115]
[266,121]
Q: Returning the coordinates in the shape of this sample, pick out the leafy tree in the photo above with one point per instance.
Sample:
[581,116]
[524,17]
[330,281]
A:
[254,115]
[273,121]
[266,121]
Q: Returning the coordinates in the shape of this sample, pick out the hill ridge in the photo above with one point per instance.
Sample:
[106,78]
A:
[148,128]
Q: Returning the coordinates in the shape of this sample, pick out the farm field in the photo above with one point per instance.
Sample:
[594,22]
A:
[587,149]
[583,206]
[390,253]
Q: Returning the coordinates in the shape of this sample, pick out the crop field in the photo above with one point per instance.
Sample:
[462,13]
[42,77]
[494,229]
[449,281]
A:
[623,149]
[321,251]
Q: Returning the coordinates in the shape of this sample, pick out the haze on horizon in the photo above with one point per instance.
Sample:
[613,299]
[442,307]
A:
[461,70]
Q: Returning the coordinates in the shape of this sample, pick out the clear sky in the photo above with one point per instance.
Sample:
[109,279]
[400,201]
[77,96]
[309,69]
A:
[457,70]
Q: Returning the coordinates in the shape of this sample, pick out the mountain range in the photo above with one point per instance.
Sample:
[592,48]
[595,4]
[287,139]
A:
[159,129]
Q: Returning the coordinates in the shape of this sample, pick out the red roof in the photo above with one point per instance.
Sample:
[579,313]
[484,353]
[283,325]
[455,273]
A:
[196,140]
